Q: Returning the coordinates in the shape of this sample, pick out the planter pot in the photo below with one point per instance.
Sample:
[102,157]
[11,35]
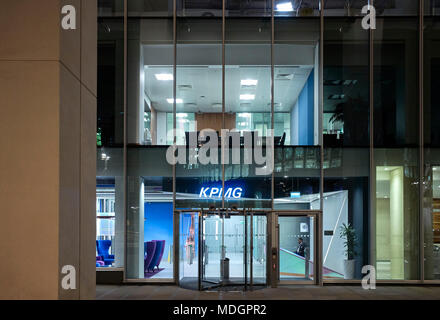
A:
[349,268]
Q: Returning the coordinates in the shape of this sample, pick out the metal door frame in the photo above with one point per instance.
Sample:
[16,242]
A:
[316,215]
[221,213]
[272,228]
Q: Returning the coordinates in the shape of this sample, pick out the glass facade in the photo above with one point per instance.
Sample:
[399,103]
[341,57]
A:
[352,113]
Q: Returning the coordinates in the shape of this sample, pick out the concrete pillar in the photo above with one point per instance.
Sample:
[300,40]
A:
[396,223]
[48,143]
[135,228]
[119,222]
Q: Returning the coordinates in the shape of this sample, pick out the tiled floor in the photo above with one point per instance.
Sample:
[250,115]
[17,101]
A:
[298,292]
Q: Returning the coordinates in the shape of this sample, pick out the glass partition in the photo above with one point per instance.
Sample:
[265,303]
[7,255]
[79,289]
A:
[346,139]
[296,248]
[189,250]
[431,179]
[257,244]
[248,74]
[396,149]
[296,85]
[110,193]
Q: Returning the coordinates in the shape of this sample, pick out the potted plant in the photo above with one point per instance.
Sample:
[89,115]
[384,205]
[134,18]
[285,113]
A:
[348,234]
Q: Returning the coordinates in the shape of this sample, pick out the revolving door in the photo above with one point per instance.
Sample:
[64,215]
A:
[222,248]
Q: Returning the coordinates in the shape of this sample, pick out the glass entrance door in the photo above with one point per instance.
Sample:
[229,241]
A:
[223,249]
[296,248]
[189,249]
[220,248]
[257,244]
[212,240]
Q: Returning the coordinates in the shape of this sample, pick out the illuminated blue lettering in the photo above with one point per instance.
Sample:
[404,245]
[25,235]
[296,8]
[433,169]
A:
[237,193]
[211,192]
[203,193]
[214,192]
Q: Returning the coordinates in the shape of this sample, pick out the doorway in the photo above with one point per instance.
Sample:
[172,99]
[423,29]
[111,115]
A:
[222,249]
[241,250]
[296,243]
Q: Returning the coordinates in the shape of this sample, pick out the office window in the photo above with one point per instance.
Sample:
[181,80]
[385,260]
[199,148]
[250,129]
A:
[431,196]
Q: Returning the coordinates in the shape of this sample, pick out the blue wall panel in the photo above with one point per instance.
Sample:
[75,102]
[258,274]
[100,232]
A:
[306,105]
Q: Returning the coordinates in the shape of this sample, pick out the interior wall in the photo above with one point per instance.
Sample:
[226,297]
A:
[396,224]
[306,108]
[161,124]
[214,121]
[294,124]
[335,213]
[382,229]
[302,117]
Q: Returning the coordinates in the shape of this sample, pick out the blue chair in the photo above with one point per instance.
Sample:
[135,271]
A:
[149,250]
[158,253]
[103,246]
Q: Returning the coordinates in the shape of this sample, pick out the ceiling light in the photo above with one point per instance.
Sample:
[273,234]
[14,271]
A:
[249,82]
[284,76]
[181,115]
[285,6]
[171,100]
[164,76]
[247,96]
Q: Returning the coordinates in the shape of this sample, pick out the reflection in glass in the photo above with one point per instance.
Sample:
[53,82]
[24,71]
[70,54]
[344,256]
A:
[431,196]
[342,8]
[189,250]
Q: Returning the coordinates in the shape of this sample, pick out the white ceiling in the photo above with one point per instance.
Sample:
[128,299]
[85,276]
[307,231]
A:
[200,88]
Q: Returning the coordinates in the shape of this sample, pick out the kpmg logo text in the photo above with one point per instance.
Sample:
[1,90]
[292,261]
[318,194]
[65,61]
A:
[203,148]
[213,192]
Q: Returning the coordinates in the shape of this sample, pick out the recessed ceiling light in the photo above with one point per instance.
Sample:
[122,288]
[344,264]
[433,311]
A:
[184,87]
[164,76]
[247,96]
[171,100]
[285,6]
[249,82]
[284,76]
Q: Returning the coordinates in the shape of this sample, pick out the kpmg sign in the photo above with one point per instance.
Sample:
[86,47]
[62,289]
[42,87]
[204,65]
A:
[212,192]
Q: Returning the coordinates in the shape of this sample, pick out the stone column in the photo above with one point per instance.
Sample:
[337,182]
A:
[48,143]
[396,224]
[135,228]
